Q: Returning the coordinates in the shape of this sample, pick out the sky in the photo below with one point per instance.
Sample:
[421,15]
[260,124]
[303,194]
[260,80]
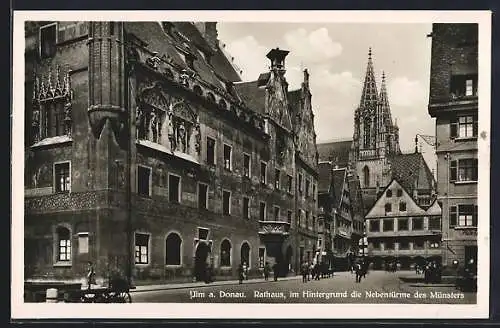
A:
[336,56]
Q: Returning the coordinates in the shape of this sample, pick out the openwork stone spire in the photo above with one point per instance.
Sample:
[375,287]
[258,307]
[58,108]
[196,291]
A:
[369,95]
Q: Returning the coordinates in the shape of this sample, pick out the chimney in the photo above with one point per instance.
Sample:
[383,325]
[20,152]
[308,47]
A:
[209,32]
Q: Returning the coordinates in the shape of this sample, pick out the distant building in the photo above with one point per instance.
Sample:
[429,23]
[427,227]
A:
[146,154]
[399,230]
[453,102]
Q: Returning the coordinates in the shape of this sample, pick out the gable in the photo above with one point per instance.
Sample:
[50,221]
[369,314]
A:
[378,209]
[277,102]
[434,209]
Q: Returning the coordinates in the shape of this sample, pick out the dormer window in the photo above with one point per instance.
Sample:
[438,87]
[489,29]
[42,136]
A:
[463,86]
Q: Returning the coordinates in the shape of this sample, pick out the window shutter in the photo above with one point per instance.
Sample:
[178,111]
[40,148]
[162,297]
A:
[453,216]
[453,171]
[474,170]
[474,216]
[474,127]
[453,129]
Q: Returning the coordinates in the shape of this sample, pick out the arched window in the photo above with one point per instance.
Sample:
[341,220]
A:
[366,134]
[211,97]
[225,253]
[197,90]
[245,253]
[64,244]
[173,249]
[366,176]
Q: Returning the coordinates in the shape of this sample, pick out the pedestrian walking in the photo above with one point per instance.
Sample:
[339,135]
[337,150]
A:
[245,270]
[304,271]
[267,269]
[275,271]
[90,274]
[240,273]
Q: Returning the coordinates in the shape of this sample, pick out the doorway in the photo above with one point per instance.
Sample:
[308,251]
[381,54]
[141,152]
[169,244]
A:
[201,261]
[288,257]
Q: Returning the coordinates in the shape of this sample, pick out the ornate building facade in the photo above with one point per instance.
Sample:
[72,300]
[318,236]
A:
[146,154]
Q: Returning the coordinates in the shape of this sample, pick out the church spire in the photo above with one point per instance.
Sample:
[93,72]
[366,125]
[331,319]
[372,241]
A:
[369,95]
[384,101]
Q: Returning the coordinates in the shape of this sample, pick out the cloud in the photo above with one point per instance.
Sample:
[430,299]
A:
[406,93]
[250,56]
[313,47]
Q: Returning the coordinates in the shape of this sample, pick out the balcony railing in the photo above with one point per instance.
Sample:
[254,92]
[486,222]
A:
[274,228]
[406,252]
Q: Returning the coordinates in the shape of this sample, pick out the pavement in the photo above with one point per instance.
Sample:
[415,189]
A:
[147,288]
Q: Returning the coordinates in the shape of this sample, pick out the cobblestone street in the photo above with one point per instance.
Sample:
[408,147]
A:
[378,287]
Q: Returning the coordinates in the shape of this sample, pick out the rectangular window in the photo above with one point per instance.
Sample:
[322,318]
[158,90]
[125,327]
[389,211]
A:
[83,242]
[141,248]
[435,223]
[289,217]
[143,181]
[402,207]
[417,224]
[246,165]
[300,183]
[289,183]
[376,245]
[388,225]
[62,177]
[466,170]
[404,245]
[388,208]
[227,157]
[308,224]
[226,202]
[277,174]
[313,223]
[262,257]
[469,87]
[307,187]
[400,192]
[276,213]
[467,216]
[402,224]
[48,40]
[210,151]
[314,191]
[203,233]
[174,188]
[374,226]
[263,173]
[464,127]
[202,196]
[389,245]
[418,244]
[388,193]
[262,211]
[246,208]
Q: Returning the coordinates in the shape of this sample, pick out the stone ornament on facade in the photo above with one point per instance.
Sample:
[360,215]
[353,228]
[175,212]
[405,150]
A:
[52,96]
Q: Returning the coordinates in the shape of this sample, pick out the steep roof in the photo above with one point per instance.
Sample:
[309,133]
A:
[337,152]
[430,140]
[294,98]
[214,70]
[338,177]
[412,171]
[325,173]
[252,95]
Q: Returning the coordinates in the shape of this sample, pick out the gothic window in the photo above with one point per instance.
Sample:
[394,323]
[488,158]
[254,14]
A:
[173,249]
[366,134]
[245,253]
[366,176]
[48,40]
[225,253]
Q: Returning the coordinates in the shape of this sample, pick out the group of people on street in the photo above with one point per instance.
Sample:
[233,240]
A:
[431,271]
[360,268]
[243,272]
[315,271]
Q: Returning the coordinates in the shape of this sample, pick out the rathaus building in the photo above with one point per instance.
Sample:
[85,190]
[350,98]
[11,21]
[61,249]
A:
[146,154]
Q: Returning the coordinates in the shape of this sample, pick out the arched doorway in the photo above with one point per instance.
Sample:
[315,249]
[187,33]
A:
[201,261]
[245,254]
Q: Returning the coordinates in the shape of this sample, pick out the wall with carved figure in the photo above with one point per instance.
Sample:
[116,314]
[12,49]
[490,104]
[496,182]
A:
[161,164]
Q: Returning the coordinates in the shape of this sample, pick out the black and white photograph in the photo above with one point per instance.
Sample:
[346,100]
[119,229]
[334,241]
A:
[229,164]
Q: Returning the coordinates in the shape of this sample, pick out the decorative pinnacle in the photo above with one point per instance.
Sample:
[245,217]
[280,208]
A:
[370,53]
[383,76]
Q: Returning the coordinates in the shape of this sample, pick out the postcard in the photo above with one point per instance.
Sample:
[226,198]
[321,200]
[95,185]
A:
[273,164]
